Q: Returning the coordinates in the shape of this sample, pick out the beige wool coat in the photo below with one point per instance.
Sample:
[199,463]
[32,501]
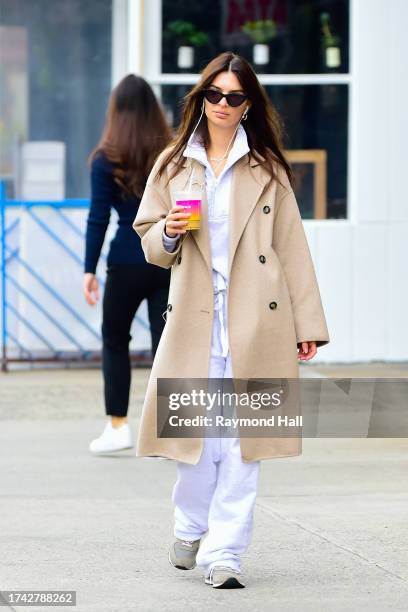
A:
[274,302]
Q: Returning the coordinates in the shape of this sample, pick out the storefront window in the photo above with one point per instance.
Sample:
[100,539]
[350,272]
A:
[300,50]
[315,119]
[55,80]
[277,36]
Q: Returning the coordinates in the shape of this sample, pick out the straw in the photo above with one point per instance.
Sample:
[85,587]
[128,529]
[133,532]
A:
[191,180]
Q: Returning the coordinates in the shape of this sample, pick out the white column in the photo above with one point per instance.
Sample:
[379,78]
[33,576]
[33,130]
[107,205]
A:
[119,40]
[380,83]
[127,38]
[135,36]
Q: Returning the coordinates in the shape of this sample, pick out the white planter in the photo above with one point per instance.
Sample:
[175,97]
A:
[261,54]
[185,57]
[333,58]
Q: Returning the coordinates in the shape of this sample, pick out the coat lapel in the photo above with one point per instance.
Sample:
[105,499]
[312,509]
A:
[248,183]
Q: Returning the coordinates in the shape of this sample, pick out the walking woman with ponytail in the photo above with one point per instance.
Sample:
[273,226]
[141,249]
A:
[243,301]
[135,133]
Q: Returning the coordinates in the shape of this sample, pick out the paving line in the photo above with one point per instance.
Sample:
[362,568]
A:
[284,518]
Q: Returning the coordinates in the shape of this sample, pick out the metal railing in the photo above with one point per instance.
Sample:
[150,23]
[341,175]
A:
[12,349]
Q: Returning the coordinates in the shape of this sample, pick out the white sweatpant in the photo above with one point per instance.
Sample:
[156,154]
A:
[218,493]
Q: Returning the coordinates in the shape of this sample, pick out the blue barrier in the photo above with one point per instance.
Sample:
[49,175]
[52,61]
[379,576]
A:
[3,275]
[8,255]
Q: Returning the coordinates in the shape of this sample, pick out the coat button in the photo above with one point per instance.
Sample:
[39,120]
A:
[169,307]
[273,305]
[266,209]
[262,258]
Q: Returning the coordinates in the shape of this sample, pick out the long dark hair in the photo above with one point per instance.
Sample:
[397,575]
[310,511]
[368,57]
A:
[263,126]
[134,134]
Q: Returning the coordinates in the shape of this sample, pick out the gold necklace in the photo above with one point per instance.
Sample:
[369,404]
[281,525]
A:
[218,164]
[218,158]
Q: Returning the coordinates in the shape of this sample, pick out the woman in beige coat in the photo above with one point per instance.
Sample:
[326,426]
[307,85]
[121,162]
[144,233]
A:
[243,303]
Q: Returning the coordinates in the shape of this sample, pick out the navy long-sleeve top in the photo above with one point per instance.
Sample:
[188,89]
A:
[125,248]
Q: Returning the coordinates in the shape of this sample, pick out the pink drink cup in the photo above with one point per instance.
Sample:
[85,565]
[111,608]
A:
[191,201]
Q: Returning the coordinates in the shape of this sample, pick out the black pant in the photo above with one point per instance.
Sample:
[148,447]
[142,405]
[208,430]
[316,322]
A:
[126,287]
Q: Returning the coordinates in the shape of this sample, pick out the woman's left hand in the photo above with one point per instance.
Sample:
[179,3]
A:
[91,288]
[307,350]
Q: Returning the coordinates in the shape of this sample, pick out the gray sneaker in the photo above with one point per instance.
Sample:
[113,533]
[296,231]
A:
[182,553]
[221,577]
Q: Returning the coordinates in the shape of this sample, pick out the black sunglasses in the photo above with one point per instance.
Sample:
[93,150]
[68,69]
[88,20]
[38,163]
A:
[233,99]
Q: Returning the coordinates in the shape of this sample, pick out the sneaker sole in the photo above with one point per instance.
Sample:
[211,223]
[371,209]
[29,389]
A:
[230,583]
[180,567]
[109,452]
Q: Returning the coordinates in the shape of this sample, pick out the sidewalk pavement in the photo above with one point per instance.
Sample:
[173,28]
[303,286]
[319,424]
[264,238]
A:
[330,525]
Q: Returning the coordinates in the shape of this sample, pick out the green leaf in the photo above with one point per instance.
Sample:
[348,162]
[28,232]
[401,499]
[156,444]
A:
[260,32]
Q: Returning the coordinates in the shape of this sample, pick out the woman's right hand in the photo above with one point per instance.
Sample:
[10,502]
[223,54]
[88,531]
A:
[91,288]
[174,221]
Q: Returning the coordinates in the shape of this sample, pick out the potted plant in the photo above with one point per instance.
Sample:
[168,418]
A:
[330,43]
[188,37]
[260,32]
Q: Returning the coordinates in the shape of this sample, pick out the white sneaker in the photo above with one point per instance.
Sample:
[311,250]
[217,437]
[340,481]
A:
[112,439]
